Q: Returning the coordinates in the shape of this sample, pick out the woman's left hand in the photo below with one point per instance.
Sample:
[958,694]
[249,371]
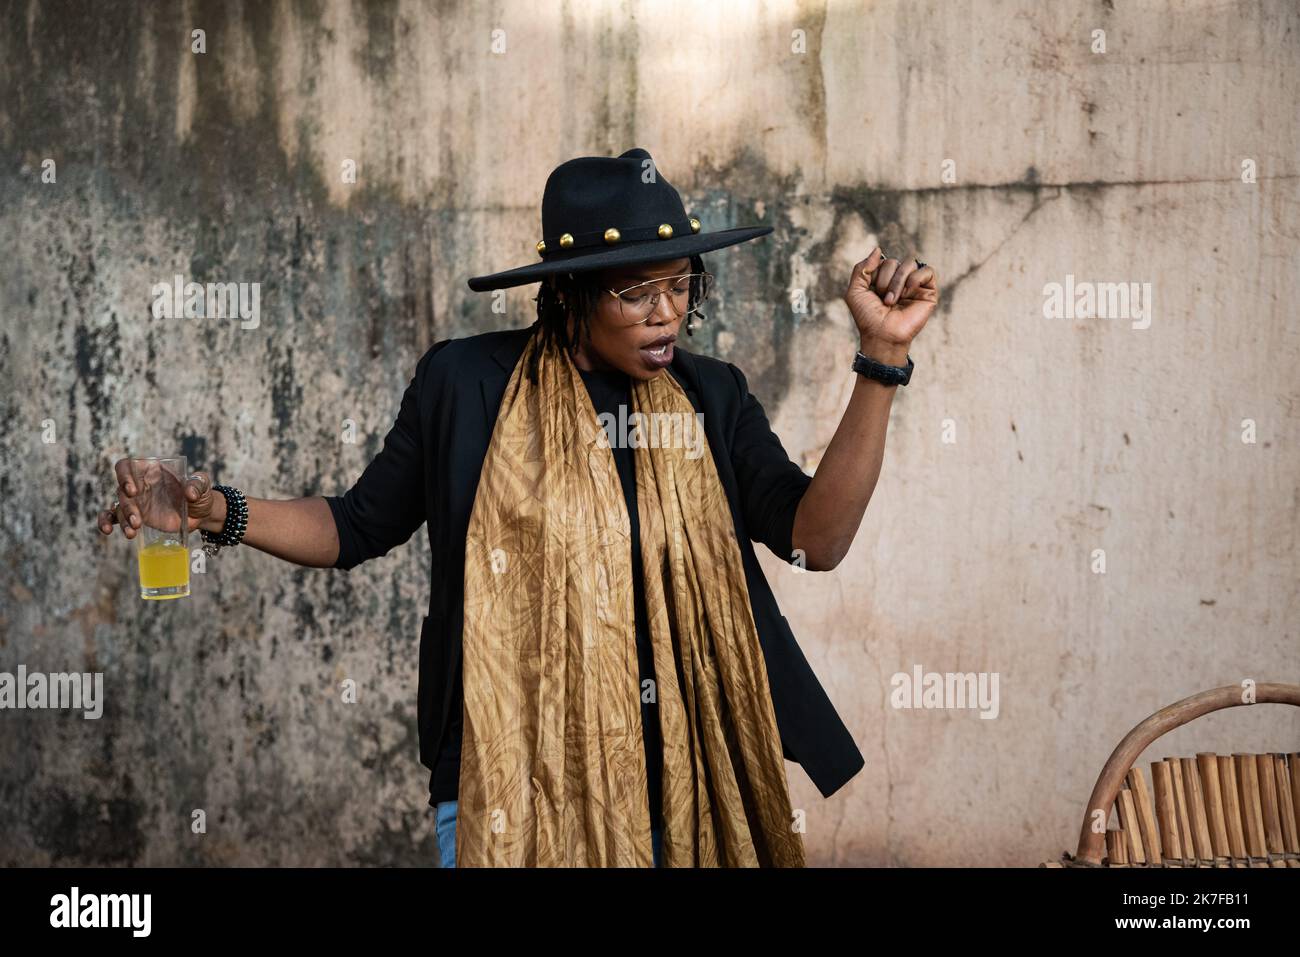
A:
[891,301]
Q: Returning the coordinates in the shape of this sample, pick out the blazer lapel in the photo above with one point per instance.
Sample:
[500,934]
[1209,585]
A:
[683,370]
[505,358]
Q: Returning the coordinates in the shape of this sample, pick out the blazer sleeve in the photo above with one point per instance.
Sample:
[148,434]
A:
[771,485]
[386,504]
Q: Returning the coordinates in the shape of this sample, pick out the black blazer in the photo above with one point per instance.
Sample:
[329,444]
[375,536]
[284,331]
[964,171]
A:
[428,472]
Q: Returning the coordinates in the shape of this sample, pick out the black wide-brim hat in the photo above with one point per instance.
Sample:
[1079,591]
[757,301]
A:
[601,211]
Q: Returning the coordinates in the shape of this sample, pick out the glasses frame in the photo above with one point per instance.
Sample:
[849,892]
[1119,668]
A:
[658,294]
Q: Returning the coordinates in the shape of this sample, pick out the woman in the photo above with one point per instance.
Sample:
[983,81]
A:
[605,676]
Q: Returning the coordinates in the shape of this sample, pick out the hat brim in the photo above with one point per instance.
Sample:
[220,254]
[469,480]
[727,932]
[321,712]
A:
[653,250]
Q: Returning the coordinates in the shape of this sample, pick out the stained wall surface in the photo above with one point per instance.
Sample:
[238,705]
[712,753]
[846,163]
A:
[1102,511]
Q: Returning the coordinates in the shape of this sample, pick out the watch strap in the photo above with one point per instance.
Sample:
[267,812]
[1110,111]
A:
[881,372]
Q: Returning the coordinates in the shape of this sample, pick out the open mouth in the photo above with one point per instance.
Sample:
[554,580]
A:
[659,353]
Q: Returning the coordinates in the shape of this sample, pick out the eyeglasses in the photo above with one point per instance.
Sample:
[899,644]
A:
[686,293]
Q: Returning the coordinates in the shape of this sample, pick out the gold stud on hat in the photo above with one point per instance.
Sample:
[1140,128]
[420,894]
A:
[695,225]
[541,246]
[665,231]
[612,235]
[566,241]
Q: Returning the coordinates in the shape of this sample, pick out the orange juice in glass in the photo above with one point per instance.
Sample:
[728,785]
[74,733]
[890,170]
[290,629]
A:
[161,551]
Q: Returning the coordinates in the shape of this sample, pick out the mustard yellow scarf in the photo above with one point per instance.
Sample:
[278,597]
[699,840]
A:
[553,770]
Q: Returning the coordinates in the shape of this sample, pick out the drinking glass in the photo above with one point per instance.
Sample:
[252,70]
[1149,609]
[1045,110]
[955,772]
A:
[163,556]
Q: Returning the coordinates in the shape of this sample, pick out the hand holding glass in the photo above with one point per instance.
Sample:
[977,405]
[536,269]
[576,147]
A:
[161,550]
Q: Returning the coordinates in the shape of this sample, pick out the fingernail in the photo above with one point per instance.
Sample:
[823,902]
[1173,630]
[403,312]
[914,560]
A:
[135,521]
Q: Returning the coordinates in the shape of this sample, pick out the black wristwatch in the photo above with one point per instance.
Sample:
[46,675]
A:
[890,375]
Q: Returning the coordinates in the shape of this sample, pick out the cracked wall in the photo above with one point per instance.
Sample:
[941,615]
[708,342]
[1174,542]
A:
[988,138]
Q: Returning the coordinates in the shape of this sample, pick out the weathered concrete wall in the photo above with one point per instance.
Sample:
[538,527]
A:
[988,137]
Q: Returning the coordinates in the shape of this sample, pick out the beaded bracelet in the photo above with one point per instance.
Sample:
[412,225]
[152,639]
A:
[232,529]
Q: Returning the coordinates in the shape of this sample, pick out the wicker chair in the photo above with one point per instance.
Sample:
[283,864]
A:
[1213,810]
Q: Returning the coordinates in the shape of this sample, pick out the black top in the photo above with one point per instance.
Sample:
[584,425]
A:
[607,390]
[427,474]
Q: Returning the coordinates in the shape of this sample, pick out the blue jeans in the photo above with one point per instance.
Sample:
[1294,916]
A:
[445,826]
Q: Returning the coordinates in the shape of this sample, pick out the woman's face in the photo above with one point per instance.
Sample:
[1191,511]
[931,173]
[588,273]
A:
[643,350]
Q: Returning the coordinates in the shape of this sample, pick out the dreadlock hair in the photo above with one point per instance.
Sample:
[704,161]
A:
[564,293]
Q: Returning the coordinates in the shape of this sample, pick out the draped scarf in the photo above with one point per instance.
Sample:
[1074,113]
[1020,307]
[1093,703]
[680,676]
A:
[553,765]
